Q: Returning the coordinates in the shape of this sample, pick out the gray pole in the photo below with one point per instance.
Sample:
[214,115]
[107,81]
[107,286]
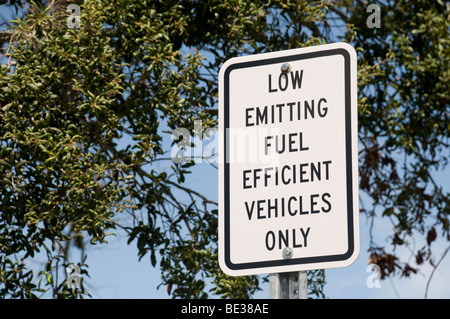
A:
[288,285]
[303,285]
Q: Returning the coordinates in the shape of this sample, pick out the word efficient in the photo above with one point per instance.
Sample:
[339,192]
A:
[287,174]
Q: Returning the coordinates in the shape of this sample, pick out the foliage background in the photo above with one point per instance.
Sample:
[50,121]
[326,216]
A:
[84,112]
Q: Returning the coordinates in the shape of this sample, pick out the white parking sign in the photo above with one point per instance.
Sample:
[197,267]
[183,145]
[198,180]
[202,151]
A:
[288,174]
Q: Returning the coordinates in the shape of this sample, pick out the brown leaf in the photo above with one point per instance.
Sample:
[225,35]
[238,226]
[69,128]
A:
[431,236]
[169,286]
[407,270]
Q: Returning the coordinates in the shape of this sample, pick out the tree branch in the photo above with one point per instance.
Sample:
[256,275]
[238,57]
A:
[341,14]
[434,269]
[188,190]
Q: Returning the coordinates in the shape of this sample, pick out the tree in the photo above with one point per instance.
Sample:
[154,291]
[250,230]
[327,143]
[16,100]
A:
[84,111]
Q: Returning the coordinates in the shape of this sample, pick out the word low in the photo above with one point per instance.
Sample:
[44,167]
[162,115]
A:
[283,81]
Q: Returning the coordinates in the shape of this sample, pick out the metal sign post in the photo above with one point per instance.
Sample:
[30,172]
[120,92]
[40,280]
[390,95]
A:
[288,285]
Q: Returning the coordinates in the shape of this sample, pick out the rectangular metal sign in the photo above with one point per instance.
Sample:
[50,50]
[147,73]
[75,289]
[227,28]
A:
[288,168]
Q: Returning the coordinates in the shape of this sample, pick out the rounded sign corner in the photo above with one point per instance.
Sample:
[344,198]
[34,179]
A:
[227,67]
[353,255]
[345,46]
[227,267]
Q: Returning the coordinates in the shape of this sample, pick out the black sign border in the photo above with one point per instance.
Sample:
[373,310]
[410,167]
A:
[348,142]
